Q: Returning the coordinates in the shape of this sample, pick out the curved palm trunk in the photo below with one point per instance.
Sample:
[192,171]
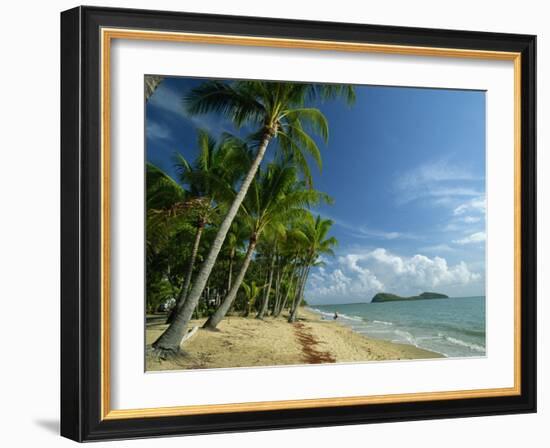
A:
[188,274]
[294,314]
[222,310]
[263,310]
[170,340]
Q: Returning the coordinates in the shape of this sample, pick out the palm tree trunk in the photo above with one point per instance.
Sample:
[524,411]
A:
[278,278]
[230,275]
[222,310]
[299,272]
[297,287]
[183,293]
[294,314]
[264,284]
[265,303]
[169,341]
[287,293]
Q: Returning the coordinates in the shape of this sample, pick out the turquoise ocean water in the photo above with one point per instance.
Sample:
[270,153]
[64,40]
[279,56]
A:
[454,327]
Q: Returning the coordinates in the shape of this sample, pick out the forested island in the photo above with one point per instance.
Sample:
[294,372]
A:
[387,297]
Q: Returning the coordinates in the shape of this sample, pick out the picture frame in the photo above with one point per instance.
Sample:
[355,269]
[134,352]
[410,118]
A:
[86,37]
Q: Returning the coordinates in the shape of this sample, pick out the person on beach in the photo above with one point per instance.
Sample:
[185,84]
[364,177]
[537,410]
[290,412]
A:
[335,315]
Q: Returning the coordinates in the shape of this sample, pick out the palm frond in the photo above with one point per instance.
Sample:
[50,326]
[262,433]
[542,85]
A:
[304,141]
[311,117]
[333,91]
[223,98]
[162,190]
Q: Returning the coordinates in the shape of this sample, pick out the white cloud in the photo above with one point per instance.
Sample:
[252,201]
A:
[475,205]
[358,276]
[158,131]
[364,232]
[437,248]
[446,193]
[467,217]
[438,181]
[323,260]
[422,271]
[437,195]
[168,99]
[438,171]
[338,284]
[478,237]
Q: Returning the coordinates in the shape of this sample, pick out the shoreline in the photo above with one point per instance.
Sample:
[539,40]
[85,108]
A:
[249,342]
[342,322]
[454,328]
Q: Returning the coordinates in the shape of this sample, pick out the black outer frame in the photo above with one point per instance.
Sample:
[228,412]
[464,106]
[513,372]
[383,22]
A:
[80,224]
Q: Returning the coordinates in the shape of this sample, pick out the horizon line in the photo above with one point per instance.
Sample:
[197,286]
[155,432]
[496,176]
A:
[357,303]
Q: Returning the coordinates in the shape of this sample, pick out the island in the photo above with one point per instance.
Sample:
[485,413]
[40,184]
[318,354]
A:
[387,297]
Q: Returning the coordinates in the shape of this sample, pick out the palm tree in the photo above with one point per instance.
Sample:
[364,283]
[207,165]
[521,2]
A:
[290,252]
[151,84]
[317,243]
[235,239]
[166,231]
[251,292]
[279,110]
[210,179]
[277,196]
[272,239]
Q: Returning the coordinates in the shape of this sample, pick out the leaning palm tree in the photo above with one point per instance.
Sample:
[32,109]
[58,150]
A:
[279,110]
[318,243]
[274,198]
[210,178]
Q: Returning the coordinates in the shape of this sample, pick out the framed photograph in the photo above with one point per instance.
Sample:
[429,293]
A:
[277,224]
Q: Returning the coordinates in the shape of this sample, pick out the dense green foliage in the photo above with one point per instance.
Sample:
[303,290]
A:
[232,234]
[387,297]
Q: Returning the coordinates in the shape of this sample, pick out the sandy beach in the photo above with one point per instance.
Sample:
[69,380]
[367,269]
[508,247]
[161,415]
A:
[248,342]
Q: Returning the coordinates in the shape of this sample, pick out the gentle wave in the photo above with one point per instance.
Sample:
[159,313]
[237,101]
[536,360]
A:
[471,346]
[355,318]
[340,315]
[408,337]
[381,322]
[452,328]
[322,313]
[460,329]
[404,336]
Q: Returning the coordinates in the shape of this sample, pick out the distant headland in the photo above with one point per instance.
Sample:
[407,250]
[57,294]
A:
[386,297]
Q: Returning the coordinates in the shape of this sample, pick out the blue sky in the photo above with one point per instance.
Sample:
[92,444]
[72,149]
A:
[406,169]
